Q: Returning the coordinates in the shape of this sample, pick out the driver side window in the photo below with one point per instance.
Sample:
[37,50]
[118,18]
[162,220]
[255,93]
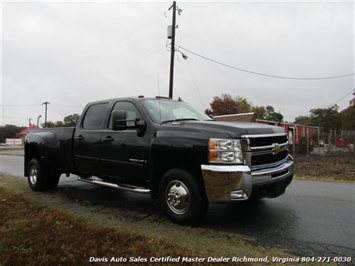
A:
[129,108]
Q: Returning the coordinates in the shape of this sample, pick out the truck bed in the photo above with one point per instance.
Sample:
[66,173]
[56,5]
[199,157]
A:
[56,147]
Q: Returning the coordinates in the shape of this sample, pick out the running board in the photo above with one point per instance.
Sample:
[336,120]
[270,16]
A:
[116,186]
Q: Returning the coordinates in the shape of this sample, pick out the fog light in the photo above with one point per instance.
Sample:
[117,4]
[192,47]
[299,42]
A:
[238,194]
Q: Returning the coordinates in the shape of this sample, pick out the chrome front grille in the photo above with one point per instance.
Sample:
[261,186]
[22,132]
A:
[264,151]
[265,141]
[265,159]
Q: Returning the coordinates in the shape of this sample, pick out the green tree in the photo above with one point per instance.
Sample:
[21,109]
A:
[259,111]
[53,124]
[303,120]
[348,117]
[267,113]
[9,131]
[71,120]
[327,118]
[243,104]
[271,115]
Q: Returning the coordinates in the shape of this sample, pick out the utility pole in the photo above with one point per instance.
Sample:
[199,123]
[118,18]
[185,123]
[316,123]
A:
[172,53]
[45,113]
[38,120]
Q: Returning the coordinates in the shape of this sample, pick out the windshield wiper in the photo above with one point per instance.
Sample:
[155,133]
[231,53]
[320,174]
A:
[179,119]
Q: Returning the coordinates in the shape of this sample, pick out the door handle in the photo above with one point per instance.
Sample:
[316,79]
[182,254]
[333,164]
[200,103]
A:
[108,139]
[80,138]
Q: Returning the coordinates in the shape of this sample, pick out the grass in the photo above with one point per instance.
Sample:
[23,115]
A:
[33,234]
[35,231]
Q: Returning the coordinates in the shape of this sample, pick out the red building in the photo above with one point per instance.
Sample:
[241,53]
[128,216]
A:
[24,132]
[301,138]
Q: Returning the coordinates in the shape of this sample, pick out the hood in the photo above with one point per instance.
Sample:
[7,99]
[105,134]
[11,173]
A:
[234,129]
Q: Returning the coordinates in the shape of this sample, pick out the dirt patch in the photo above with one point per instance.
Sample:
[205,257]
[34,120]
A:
[330,167]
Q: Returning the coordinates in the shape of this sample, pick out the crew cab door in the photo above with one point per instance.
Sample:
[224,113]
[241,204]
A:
[124,153]
[87,139]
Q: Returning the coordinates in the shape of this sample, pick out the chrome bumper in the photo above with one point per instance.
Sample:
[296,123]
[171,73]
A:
[225,183]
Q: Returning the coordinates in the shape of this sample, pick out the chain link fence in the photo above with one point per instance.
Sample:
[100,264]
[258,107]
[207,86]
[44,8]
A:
[309,140]
[335,141]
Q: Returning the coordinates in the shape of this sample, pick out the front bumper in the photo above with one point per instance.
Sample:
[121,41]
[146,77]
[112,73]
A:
[225,183]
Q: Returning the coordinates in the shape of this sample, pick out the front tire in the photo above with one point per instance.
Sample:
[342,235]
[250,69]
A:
[182,198]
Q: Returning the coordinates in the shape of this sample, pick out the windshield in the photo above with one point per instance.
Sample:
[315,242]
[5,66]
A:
[164,111]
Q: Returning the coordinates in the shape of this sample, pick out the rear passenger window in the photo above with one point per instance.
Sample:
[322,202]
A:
[95,116]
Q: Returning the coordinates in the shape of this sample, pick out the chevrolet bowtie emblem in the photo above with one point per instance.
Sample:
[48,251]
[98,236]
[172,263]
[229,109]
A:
[276,148]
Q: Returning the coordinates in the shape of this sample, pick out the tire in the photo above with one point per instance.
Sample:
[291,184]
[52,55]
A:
[36,176]
[41,178]
[53,179]
[182,198]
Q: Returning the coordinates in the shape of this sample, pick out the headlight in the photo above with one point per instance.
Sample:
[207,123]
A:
[225,151]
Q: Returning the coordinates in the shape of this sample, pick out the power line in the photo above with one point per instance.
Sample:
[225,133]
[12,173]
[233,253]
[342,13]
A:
[264,74]
[342,98]
[192,75]
[18,105]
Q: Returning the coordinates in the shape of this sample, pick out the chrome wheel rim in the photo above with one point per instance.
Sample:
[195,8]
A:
[33,174]
[178,197]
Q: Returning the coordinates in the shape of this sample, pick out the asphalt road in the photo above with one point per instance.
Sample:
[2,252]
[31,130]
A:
[314,219]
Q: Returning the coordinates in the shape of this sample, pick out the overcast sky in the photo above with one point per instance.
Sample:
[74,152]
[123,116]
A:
[70,53]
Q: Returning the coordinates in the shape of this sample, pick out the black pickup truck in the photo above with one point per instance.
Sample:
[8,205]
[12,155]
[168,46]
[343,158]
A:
[165,148]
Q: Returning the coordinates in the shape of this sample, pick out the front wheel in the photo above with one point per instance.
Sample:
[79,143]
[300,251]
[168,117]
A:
[181,197]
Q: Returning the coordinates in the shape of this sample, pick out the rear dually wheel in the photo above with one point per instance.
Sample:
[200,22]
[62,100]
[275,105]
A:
[41,177]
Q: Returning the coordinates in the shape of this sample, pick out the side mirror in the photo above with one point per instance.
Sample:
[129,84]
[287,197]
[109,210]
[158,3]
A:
[120,121]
